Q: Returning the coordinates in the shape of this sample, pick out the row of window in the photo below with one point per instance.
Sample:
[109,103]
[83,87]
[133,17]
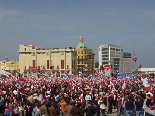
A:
[85,57]
[105,49]
[84,52]
[52,67]
[13,65]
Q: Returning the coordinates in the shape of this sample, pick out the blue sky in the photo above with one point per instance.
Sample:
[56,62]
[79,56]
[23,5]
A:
[59,23]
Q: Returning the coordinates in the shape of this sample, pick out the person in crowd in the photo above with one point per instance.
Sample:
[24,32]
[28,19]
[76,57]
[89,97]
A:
[69,108]
[96,105]
[43,110]
[124,100]
[139,106]
[21,110]
[129,106]
[63,105]
[36,110]
[110,103]
[115,101]
[90,109]
[28,108]
[31,98]
[9,111]
[102,102]
[79,89]
[119,105]
[1,105]
[52,110]
[76,110]
[148,100]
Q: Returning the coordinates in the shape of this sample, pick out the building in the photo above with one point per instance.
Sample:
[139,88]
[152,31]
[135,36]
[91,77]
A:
[85,58]
[146,70]
[7,65]
[53,61]
[114,56]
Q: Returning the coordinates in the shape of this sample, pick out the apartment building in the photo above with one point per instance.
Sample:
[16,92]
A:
[115,57]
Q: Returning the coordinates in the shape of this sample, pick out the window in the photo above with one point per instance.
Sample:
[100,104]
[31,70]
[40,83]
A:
[67,66]
[105,59]
[33,63]
[62,64]
[116,69]
[104,55]
[104,49]
[72,64]
[48,64]
[117,49]
[104,62]
[38,67]
[43,67]
[51,67]
[104,52]
[25,49]
[57,66]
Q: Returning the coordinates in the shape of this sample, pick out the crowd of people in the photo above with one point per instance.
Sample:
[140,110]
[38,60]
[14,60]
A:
[76,96]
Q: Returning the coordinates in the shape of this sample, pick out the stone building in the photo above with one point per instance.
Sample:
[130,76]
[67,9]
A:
[85,58]
[53,61]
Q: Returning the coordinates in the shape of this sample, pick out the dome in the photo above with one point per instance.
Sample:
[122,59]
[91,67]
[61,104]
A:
[81,44]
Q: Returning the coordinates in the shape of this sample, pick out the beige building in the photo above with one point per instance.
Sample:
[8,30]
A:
[9,65]
[85,58]
[53,61]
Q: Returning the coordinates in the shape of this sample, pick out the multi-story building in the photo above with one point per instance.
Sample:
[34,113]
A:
[115,57]
[85,58]
[9,65]
[53,61]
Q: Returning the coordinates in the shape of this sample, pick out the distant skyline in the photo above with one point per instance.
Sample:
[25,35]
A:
[60,23]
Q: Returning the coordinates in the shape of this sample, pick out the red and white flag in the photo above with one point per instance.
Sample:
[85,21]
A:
[41,99]
[80,72]
[146,84]
[18,85]
[124,85]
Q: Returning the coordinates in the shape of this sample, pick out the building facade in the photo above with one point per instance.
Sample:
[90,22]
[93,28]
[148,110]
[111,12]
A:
[146,70]
[115,57]
[85,58]
[53,61]
[9,65]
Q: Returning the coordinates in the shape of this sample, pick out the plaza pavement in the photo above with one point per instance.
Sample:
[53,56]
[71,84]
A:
[114,113]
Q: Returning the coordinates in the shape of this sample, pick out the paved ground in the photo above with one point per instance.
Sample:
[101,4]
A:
[114,113]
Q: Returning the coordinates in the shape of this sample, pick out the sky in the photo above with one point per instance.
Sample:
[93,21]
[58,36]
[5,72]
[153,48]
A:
[60,23]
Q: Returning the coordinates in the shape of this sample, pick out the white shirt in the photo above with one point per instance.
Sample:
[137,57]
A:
[88,97]
[15,92]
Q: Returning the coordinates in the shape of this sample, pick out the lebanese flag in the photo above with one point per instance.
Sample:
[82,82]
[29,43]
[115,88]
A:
[41,99]
[11,110]
[134,57]
[18,86]
[27,89]
[21,81]
[124,86]
[147,86]
[113,90]
[80,72]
